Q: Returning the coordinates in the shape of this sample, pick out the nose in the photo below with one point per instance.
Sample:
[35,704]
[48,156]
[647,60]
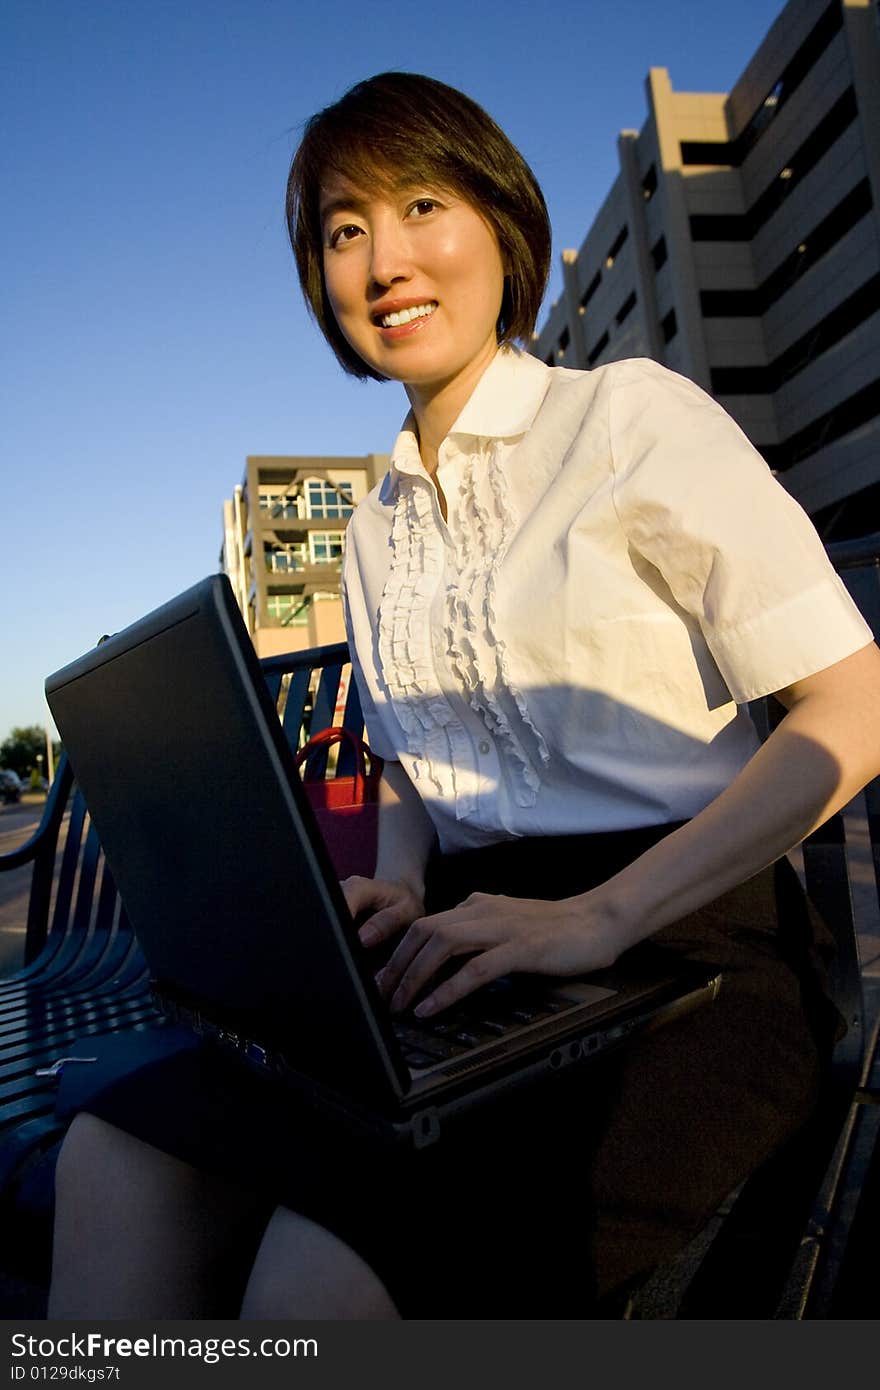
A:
[390,256]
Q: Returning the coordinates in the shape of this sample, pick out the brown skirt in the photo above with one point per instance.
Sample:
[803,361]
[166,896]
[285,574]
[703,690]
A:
[556,1196]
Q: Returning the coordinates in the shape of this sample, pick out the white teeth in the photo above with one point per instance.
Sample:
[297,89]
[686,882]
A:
[418,311]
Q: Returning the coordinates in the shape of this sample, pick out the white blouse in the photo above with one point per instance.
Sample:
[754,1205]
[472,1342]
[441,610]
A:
[618,573]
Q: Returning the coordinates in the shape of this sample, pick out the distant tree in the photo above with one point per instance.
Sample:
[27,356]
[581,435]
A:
[20,749]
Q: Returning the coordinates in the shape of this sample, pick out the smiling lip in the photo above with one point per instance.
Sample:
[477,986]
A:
[397,306]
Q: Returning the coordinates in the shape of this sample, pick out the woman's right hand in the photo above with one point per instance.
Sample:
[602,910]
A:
[388,905]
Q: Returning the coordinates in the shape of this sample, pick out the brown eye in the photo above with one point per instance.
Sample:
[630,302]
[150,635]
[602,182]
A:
[347,233]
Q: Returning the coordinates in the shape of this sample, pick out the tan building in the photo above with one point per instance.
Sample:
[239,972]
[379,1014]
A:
[740,245]
[284,530]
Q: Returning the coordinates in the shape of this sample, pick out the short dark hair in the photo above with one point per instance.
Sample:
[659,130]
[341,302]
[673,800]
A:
[399,128]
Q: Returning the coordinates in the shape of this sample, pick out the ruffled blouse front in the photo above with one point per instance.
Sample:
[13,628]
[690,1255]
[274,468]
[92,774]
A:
[446,575]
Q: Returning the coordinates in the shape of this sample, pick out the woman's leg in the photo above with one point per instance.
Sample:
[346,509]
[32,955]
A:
[139,1234]
[304,1271]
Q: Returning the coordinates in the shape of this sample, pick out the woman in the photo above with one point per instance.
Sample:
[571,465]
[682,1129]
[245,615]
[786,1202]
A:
[559,601]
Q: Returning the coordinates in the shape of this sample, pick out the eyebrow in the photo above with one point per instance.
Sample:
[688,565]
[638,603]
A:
[346,203]
[354,202]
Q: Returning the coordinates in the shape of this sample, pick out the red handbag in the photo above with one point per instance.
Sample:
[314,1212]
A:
[346,808]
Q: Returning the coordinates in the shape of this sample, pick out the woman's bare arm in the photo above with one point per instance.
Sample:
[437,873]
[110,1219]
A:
[394,897]
[822,753]
[406,831]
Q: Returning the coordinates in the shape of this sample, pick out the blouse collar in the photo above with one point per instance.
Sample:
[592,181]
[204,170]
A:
[502,405]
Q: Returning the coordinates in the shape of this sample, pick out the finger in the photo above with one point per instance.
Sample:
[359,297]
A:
[467,917]
[429,944]
[474,974]
[384,924]
[359,893]
[405,952]
[365,894]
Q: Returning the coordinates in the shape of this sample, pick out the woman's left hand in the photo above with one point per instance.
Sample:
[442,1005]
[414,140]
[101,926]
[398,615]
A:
[498,935]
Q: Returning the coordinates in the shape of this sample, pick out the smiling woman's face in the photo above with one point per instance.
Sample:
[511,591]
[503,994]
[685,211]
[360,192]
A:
[415,278]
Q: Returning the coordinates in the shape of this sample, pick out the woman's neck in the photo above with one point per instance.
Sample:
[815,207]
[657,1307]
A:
[437,407]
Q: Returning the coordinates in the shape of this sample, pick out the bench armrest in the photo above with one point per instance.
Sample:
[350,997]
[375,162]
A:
[46,833]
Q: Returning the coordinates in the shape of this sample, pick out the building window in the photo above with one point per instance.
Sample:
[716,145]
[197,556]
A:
[842,419]
[669,326]
[614,249]
[326,546]
[659,253]
[280,503]
[288,610]
[598,349]
[856,515]
[626,308]
[720,226]
[649,184]
[591,290]
[741,381]
[718,153]
[286,559]
[324,498]
[730,304]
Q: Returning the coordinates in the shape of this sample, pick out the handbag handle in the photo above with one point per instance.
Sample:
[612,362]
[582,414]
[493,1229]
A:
[337,733]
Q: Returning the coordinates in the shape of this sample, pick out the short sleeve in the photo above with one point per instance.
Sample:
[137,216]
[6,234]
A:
[736,551]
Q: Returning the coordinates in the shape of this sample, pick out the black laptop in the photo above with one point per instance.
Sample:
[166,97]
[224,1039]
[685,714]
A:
[188,778]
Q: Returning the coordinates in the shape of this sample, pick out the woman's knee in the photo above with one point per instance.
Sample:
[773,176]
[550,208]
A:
[302,1270]
[90,1149]
[144,1233]
[101,1165]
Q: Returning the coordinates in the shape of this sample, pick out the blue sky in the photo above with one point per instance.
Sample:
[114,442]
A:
[153,333]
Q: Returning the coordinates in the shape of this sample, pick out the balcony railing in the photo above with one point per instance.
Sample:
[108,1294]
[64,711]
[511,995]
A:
[286,561]
[283,562]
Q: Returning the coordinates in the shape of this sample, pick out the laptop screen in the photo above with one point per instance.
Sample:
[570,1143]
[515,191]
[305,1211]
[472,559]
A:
[188,779]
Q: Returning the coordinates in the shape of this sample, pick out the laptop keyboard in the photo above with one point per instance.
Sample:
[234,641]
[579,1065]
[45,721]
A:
[500,1008]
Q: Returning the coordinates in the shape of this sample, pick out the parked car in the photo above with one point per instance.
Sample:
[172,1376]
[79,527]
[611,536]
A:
[11,786]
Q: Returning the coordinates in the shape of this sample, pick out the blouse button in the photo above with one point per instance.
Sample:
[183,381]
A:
[485,746]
